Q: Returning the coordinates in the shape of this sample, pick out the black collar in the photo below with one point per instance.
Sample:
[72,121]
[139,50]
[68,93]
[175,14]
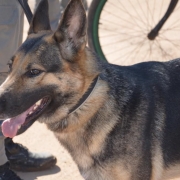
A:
[85,95]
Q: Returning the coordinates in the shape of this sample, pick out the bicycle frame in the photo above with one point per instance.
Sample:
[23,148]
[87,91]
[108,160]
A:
[154,32]
[26,8]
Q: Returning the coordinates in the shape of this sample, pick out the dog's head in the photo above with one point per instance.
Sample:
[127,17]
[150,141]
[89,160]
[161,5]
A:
[50,71]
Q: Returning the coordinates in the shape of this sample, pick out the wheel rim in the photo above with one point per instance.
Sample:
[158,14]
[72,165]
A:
[96,41]
[120,31]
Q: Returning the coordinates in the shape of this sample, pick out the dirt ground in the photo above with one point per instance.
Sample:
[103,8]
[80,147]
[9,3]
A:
[39,139]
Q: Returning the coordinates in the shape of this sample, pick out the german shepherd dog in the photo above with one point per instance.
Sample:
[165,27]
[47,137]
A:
[117,122]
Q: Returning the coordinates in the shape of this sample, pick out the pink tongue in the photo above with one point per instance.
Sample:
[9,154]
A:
[11,126]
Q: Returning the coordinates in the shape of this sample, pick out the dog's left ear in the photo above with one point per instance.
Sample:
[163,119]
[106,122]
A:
[71,33]
[40,20]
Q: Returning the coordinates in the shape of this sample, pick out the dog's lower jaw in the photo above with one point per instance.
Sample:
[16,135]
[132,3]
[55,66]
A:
[20,123]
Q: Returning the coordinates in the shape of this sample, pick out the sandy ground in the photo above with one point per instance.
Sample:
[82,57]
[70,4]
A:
[39,139]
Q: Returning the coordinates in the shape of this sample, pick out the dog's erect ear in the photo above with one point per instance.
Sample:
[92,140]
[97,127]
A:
[71,33]
[40,20]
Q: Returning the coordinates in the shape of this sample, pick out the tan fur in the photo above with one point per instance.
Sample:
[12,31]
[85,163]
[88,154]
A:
[157,165]
[75,135]
[172,172]
[118,171]
[112,171]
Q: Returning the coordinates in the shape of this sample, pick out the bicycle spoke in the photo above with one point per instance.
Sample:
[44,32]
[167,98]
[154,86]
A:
[145,57]
[138,49]
[117,35]
[174,23]
[110,22]
[164,53]
[124,20]
[177,7]
[150,47]
[141,44]
[162,3]
[151,43]
[124,25]
[130,38]
[148,23]
[159,46]
[109,36]
[151,15]
[119,49]
[153,11]
[129,31]
[171,42]
[143,14]
[172,29]
[131,16]
[136,12]
[118,25]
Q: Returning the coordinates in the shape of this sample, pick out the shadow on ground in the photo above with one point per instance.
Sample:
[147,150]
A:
[35,175]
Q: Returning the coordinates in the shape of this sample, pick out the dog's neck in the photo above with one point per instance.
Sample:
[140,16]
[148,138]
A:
[86,95]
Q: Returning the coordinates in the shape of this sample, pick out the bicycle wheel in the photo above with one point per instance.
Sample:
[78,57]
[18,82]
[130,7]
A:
[118,30]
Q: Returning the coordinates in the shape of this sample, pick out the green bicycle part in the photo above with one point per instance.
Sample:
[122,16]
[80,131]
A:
[96,41]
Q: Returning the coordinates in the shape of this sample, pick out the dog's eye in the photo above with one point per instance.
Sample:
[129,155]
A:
[34,72]
[10,66]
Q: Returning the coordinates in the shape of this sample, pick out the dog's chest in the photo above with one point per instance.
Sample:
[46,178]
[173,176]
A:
[77,148]
[83,157]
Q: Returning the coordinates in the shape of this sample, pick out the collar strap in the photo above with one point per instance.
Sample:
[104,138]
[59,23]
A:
[85,96]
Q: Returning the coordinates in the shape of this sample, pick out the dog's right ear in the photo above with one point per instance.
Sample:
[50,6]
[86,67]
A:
[71,32]
[40,20]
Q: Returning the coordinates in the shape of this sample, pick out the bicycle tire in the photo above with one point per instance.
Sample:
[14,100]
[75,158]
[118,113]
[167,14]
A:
[161,49]
[93,20]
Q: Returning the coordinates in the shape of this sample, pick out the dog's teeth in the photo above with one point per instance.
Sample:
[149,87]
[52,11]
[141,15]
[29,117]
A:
[38,103]
[19,127]
[35,107]
[30,113]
